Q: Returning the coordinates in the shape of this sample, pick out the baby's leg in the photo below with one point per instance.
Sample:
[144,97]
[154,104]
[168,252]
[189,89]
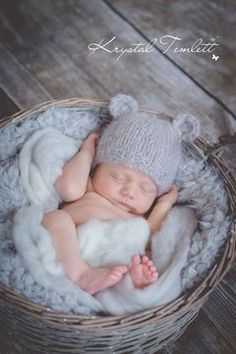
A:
[63,232]
[142,271]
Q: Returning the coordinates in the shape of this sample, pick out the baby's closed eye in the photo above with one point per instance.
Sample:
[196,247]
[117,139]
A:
[147,188]
[118,177]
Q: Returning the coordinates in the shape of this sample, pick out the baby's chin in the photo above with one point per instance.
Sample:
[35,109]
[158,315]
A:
[124,207]
[129,209]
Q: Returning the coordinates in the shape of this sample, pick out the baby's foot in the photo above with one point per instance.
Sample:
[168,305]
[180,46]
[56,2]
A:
[142,271]
[97,279]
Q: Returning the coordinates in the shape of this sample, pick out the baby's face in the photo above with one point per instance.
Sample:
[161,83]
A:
[124,187]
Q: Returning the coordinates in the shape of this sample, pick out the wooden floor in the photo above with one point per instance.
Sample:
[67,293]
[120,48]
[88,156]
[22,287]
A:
[44,55]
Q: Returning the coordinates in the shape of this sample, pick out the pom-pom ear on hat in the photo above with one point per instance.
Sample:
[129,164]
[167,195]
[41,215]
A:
[187,126]
[121,105]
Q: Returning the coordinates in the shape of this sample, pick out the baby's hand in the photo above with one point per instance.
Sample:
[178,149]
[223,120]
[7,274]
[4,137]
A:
[90,143]
[161,209]
[170,197]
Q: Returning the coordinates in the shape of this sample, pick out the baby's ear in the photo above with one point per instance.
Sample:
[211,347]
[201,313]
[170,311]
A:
[187,126]
[121,105]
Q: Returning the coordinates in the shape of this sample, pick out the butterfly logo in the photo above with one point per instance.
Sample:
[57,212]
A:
[215,57]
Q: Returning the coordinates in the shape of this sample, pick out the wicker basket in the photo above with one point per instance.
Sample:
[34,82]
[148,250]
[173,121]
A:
[31,328]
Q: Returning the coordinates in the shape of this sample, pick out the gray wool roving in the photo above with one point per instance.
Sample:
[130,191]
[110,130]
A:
[144,142]
[200,188]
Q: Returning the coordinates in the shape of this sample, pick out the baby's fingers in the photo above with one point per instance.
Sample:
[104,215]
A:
[92,138]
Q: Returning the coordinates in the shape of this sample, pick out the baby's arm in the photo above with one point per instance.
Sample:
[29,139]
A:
[72,183]
[161,209]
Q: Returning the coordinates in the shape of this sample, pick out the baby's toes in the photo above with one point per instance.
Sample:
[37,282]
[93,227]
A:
[154,276]
[150,264]
[123,269]
[145,260]
[153,268]
[153,271]
[136,259]
[120,270]
[150,272]
[116,275]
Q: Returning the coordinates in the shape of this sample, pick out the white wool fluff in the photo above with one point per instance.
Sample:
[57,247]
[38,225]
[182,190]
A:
[32,162]
[170,247]
[113,243]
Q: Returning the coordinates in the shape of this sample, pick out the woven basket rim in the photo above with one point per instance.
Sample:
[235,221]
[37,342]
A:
[184,302]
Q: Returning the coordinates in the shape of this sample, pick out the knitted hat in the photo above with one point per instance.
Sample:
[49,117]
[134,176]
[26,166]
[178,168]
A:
[148,144]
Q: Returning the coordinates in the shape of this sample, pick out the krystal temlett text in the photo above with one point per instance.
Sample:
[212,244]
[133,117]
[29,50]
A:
[166,43]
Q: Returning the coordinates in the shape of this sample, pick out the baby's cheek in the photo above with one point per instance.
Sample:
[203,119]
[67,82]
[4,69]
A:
[144,204]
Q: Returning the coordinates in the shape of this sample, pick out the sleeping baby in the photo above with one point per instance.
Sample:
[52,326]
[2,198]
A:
[134,162]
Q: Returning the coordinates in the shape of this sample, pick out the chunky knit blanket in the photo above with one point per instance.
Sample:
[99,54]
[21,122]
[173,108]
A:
[181,258]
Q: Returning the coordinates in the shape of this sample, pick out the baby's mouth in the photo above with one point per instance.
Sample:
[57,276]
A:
[124,206]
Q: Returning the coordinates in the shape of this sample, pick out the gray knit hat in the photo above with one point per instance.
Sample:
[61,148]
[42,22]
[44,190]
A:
[144,142]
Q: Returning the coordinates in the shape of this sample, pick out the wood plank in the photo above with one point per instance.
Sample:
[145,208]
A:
[220,300]
[165,83]
[215,119]
[58,62]
[158,86]
[50,66]
[201,337]
[229,280]
[190,21]
[213,330]
[67,43]
[18,83]
[7,106]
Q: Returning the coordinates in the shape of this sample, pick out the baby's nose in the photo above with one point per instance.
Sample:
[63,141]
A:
[128,190]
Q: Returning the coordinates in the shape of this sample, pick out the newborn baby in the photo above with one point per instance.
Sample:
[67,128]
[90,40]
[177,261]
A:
[126,182]
[114,191]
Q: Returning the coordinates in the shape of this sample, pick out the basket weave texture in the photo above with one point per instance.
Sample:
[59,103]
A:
[31,328]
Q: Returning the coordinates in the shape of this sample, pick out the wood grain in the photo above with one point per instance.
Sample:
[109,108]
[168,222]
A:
[23,89]
[152,78]
[8,107]
[44,61]
[160,85]
[198,336]
[191,21]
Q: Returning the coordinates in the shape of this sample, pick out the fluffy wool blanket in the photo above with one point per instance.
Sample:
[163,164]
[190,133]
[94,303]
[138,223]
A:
[200,188]
[102,243]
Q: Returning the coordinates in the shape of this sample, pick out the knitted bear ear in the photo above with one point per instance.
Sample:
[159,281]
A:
[121,105]
[187,126]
